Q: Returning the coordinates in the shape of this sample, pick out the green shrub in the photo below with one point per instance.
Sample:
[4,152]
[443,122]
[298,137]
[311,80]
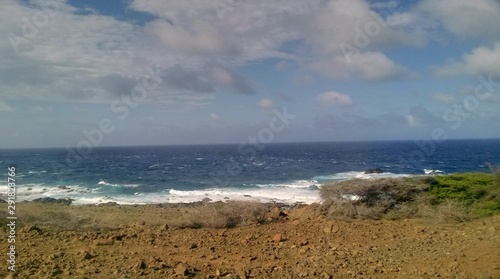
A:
[468,188]
[455,197]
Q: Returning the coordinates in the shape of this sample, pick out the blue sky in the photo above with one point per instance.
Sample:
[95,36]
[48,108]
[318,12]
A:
[153,72]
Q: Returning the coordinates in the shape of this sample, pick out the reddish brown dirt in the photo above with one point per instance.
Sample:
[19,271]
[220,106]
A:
[301,245]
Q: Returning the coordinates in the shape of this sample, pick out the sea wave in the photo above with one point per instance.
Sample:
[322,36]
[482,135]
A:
[104,183]
[301,184]
[357,175]
[276,194]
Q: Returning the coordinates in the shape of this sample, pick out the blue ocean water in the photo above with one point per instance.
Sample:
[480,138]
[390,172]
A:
[276,172]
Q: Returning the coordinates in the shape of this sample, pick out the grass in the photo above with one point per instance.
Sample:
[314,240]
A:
[225,215]
[60,217]
[456,197]
[231,214]
[479,191]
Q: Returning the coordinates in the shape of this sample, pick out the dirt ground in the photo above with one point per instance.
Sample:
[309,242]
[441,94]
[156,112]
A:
[299,244]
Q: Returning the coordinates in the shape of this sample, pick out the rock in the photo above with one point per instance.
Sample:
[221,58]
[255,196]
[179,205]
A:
[278,237]
[164,227]
[142,265]
[67,201]
[103,242]
[31,228]
[56,271]
[138,224]
[453,266]
[181,269]
[118,237]
[374,170]
[108,204]
[87,255]
[332,228]
[325,275]
[419,229]
[276,213]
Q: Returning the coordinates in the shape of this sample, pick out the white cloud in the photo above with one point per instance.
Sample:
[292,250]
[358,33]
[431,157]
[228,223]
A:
[202,39]
[347,37]
[370,66]
[75,54]
[464,18]
[4,107]
[481,61]
[146,121]
[385,5]
[214,116]
[375,66]
[41,109]
[265,104]
[334,98]
[254,30]
[410,120]
[445,99]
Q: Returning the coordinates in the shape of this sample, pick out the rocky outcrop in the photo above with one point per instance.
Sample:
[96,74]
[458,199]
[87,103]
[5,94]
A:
[374,170]
[66,201]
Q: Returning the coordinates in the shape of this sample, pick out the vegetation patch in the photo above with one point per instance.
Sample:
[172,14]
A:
[61,217]
[455,197]
[231,214]
[480,191]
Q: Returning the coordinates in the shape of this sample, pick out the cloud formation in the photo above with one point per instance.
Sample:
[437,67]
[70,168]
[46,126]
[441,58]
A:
[444,99]
[265,104]
[480,61]
[5,107]
[75,55]
[212,59]
[332,98]
[467,19]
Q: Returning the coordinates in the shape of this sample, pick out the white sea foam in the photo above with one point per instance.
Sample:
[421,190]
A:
[303,184]
[29,192]
[426,171]
[102,182]
[150,198]
[357,175]
[277,194]
[37,172]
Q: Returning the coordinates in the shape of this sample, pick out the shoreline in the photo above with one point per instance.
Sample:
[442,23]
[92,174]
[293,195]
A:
[296,191]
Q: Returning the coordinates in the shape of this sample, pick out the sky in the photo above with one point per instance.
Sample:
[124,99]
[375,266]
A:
[154,72]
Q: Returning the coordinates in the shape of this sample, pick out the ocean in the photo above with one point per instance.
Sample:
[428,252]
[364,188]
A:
[285,173]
